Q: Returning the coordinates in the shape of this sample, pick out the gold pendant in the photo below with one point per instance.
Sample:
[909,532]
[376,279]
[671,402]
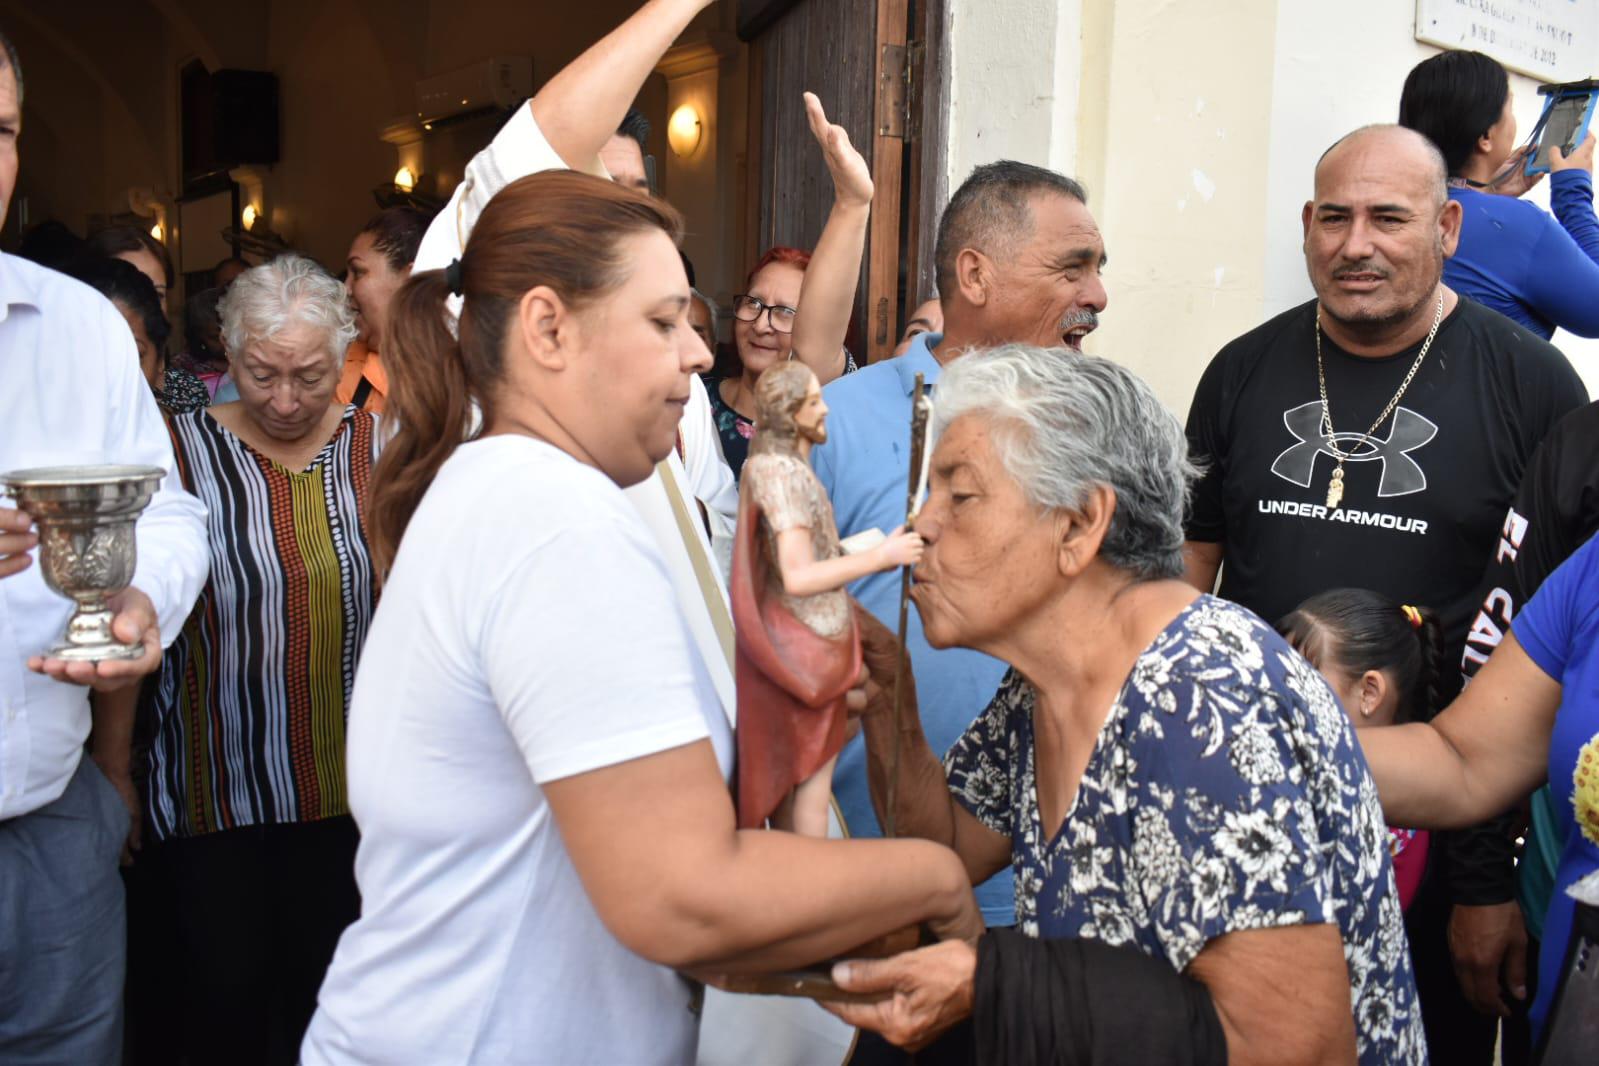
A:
[1335,489]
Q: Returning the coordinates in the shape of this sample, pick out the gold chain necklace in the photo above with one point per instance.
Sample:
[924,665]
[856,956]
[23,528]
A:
[1335,489]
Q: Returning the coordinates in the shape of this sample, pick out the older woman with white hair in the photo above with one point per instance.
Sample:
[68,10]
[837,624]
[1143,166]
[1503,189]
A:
[1200,861]
[247,807]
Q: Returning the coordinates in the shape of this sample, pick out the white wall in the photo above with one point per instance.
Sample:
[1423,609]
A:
[1014,83]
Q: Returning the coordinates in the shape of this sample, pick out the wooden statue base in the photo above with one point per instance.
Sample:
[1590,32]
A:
[816,982]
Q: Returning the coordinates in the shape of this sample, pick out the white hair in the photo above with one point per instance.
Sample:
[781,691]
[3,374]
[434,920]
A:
[710,306]
[1069,422]
[288,290]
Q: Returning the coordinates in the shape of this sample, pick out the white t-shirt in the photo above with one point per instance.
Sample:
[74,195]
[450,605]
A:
[527,633]
[520,149]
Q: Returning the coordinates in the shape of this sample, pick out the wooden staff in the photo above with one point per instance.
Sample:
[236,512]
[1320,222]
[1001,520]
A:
[916,481]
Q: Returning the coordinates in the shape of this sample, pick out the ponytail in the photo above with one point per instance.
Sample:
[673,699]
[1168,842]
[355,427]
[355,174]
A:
[1360,630]
[429,399]
[556,228]
[1429,692]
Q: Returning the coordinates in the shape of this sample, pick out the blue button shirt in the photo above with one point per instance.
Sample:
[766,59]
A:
[864,467]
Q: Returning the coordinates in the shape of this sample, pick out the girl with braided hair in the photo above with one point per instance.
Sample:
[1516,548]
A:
[1384,660]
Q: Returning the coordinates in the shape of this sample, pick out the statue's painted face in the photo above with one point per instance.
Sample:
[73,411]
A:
[811,418]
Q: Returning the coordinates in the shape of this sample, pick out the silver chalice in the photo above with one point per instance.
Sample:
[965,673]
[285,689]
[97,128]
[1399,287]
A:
[85,516]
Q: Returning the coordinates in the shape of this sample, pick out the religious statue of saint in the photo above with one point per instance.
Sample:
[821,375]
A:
[798,652]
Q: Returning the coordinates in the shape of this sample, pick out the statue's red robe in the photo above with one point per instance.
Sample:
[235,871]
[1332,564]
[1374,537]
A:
[791,682]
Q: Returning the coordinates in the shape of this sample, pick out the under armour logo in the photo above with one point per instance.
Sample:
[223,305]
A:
[1401,475]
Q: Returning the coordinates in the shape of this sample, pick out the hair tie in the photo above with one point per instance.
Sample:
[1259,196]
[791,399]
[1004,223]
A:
[452,276]
[1412,615]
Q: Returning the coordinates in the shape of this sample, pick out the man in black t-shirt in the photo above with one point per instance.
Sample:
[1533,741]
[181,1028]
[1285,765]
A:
[1380,448]
[1423,489]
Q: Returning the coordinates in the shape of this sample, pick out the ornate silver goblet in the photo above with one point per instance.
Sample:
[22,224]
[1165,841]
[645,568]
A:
[85,516]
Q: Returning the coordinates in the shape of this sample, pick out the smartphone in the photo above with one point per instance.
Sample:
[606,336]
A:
[1564,122]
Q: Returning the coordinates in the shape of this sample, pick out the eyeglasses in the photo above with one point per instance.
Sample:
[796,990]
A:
[750,309]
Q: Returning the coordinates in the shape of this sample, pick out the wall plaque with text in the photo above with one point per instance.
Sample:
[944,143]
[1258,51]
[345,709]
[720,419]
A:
[1551,40]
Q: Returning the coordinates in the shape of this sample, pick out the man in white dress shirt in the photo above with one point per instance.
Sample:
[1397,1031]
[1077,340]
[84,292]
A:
[566,125]
[73,394]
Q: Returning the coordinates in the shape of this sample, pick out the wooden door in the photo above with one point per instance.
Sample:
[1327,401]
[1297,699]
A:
[854,54]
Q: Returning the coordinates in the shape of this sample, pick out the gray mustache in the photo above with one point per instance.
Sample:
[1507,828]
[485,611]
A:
[1079,318]
[1360,268]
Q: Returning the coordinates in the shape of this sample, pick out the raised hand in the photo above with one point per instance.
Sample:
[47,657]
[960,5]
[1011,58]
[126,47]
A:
[852,178]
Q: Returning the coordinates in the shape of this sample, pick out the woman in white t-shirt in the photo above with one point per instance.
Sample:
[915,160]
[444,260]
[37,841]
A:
[537,759]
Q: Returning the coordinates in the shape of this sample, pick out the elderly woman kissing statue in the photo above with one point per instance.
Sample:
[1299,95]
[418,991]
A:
[1200,859]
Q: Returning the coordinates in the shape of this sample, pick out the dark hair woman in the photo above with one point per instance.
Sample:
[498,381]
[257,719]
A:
[538,760]
[131,292]
[767,325]
[379,262]
[134,245]
[1385,661]
[203,354]
[1540,271]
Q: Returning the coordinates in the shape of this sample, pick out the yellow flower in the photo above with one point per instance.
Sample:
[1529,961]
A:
[1585,790]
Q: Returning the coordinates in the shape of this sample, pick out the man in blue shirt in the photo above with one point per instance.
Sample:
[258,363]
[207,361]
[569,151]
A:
[1018,259]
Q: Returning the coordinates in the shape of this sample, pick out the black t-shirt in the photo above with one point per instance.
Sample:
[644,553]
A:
[1554,513]
[1424,495]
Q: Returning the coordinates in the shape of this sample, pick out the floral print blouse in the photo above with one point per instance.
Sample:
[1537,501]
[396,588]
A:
[182,392]
[1225,792]
[733,428]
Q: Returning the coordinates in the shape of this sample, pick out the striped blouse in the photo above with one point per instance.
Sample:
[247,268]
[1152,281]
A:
[250,704]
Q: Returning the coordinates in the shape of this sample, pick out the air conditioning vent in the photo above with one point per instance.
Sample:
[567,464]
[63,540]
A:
[487,85]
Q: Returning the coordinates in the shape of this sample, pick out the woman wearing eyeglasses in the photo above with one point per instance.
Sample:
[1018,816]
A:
[767,324]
